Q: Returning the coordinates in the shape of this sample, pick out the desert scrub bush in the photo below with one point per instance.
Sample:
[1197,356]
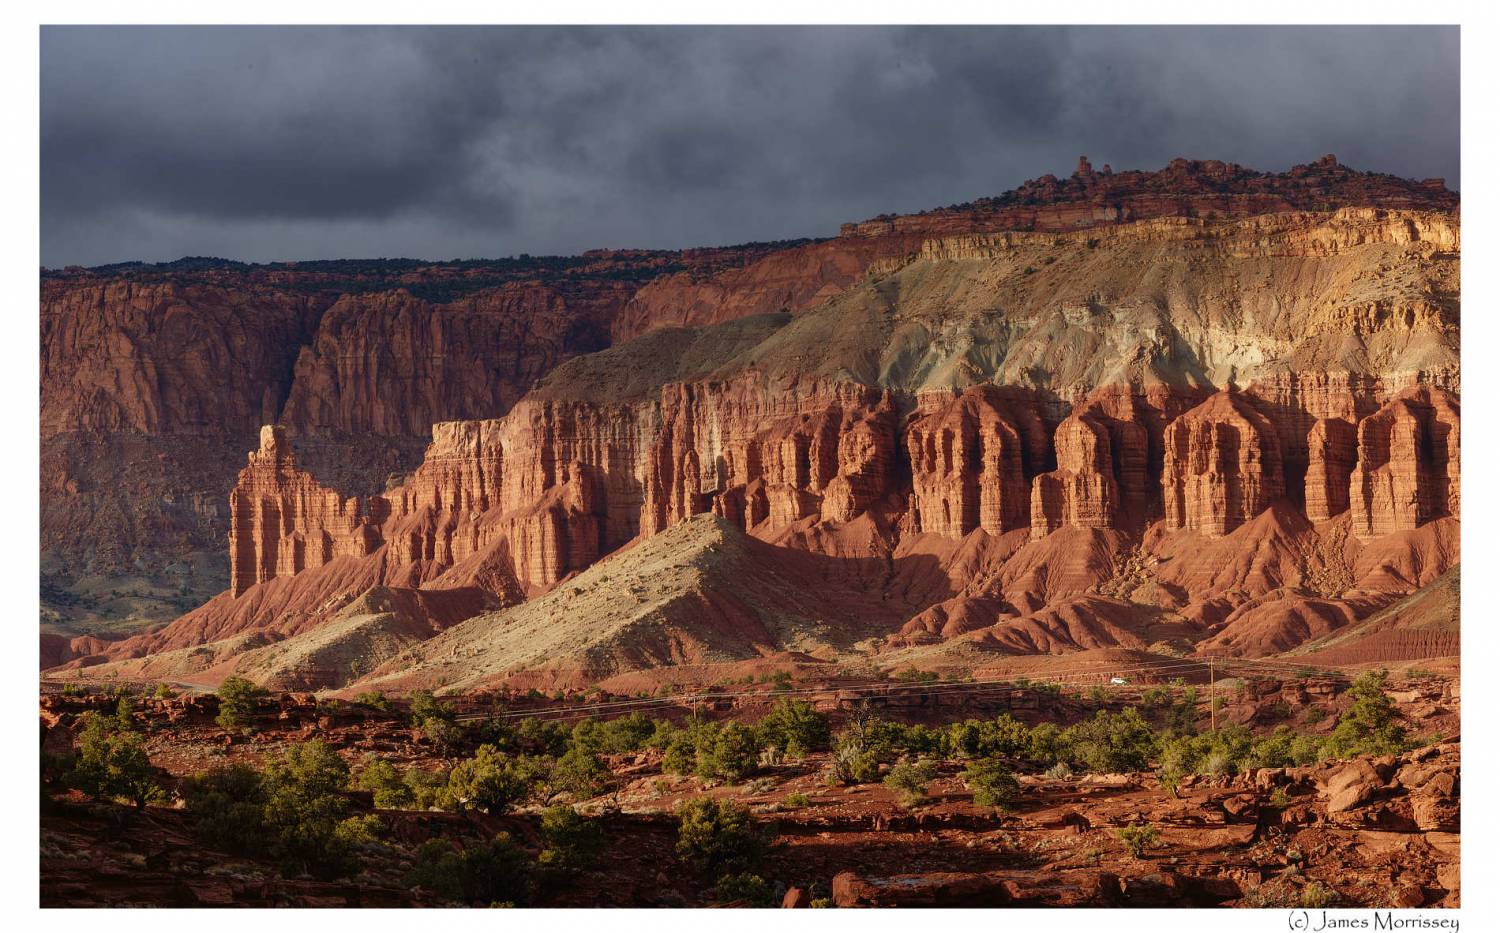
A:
[375,700]
[795,728]
[795,800]
[1137,838]
[1122,741]
[977,738]
[306,813]
[429,789]
[852,762]
[570,841]
[164,691]
[770,757]
[719,836]
[1277,893]
[534,736]
[385,784]
[1283,748]
[913,676]
[1059,772]
[238,701]
[226,805]
[493,781]
[680,754]
[614,736]
[964,739]
[425,705]
[125,714]
[732,755]
[436,719]
[662,733]
[580,773]
[909,780]
[993,783]
[761,785]
[496,873]
[1180,757]
[1316,894]
[112,764]
[1371,725]
[751,889]
[1048,745]
[294,811]
[892,739]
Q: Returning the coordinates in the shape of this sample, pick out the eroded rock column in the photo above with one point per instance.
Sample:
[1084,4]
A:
[1221,466]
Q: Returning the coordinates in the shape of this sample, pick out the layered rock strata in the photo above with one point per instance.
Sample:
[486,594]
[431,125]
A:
[1407,473]
[452,510]
[972,462]
[1331,451]
[1027,392]
[282,521]
[1101,480]
[1222,466]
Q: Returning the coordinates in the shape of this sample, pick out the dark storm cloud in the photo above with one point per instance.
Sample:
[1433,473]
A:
[267,143]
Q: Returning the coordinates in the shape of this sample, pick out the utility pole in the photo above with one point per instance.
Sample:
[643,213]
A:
[1213,713]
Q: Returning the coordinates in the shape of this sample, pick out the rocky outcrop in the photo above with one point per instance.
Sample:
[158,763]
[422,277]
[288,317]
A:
[515,505]
[167,357]
[757,453]
[454,510]
[169,370]
[972,459]
[1222,466]
[282,521]
[1101,477]
[1330,459]
[1032,381]
[1185,188]
[1407,471]
[393,364]
[155,380]
[788,280]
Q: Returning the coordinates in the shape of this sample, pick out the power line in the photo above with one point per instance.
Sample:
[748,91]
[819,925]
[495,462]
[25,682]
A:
[886,687]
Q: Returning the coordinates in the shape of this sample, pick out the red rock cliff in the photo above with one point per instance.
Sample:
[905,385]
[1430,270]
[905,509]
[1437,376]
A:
[1407,472]
[972,460]
[1222,466]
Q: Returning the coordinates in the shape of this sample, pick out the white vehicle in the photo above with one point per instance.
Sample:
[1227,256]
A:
[1118,681]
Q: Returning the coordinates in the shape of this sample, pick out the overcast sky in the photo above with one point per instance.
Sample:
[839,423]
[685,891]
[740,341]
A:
[267,143]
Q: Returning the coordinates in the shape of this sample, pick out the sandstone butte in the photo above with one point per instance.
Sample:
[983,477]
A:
[1201,401]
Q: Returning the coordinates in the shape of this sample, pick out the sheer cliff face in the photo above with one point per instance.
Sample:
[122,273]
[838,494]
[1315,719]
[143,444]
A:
[394,365]
[164,358]
[461,509]
[1406,474]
